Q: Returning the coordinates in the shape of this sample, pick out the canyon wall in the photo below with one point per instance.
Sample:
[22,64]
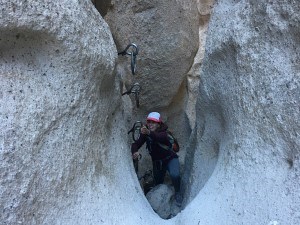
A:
[58,127]
[167,45]
[247,138]
[64,147]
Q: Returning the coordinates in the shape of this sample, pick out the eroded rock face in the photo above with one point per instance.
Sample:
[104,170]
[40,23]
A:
[168,44]
[56,75]
[166,33]
[193,76]
[64,156]
[248,117]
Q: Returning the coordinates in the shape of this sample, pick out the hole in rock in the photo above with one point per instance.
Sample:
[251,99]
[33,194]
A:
[102,6]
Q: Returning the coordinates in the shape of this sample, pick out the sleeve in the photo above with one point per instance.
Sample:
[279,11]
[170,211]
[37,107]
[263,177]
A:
[139,143]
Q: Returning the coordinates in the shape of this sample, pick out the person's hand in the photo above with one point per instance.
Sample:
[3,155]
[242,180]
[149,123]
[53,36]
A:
[135,155]
[145,130]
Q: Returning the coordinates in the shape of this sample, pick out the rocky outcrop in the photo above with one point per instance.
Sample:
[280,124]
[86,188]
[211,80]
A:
[57,62]
[167,45]
[193,76]
[63,145]
[246,160]
[167,48]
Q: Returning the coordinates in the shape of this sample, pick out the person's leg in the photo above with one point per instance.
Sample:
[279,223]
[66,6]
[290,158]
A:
[159,172]
[174,171]
[173,168]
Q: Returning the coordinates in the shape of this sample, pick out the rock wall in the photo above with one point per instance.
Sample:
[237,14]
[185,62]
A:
[247,138]
[63,145]
[167,47]
[57,124]
[208,160]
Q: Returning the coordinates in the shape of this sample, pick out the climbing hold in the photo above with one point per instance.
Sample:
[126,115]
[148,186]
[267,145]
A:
[135,89]
[134,52]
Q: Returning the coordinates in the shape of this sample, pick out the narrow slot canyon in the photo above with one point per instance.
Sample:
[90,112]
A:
[224,75]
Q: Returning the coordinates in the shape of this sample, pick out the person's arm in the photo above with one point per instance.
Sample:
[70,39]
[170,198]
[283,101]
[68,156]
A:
[137,144]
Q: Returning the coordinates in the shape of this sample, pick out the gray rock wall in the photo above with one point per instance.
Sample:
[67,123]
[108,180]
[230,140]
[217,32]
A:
[57,81]
[247,139]
[63,146]
[167,47]
[167,44]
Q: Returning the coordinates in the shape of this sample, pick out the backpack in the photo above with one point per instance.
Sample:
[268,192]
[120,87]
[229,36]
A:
[174,146]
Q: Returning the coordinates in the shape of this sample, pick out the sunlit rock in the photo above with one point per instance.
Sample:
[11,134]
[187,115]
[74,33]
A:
[246,157]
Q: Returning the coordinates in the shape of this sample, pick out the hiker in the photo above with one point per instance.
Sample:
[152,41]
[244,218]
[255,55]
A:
[155,135]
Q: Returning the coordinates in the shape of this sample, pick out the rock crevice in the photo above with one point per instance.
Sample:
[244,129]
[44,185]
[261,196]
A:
[226,83]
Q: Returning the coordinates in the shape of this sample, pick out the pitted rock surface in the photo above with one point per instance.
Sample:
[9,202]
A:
[64,149]
[247,138]
[167,44]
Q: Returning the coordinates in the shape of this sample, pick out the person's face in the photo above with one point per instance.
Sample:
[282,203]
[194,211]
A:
[153,126]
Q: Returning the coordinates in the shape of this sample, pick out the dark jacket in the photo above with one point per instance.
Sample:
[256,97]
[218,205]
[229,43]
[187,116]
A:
[156,151]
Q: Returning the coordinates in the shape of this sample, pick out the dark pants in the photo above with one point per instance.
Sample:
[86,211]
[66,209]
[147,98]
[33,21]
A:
[159,172]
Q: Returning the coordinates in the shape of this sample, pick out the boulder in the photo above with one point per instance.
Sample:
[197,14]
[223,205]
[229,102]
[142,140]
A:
[161,199]
[167,44]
